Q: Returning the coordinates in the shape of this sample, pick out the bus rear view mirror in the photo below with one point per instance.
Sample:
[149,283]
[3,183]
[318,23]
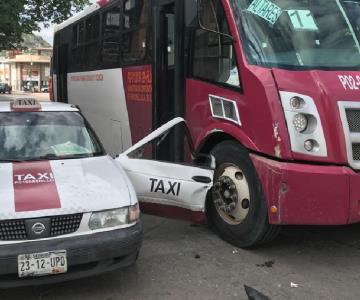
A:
[207,21]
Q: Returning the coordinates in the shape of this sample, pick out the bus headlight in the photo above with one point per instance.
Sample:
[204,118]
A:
[114,218]
[304,124]
[300,122]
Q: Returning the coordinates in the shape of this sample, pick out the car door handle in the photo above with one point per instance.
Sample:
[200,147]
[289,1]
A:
[202,179]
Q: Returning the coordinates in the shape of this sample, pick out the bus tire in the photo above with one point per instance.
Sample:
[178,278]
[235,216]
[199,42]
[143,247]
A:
[237,208]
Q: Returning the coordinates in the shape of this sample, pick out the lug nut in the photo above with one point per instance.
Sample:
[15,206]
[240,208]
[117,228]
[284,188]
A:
[227,181]
[232,187]
[234,198]
[232,206]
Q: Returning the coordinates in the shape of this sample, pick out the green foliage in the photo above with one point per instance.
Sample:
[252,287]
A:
[24,16]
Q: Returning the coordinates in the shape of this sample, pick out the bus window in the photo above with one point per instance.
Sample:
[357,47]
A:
[75,35]
[134,39]
[81,33]
[213,54]
[111,37]
[92,41]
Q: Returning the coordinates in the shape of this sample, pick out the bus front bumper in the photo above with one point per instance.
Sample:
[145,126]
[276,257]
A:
[305,194]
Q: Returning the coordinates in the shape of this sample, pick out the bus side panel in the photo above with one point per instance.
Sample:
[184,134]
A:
[138,91]
[101,98]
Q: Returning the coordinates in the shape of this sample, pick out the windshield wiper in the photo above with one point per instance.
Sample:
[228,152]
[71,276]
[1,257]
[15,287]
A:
[49,156]
[10,160]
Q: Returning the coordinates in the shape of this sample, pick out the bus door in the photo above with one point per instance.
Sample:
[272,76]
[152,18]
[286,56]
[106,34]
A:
[165,100]
[62,89]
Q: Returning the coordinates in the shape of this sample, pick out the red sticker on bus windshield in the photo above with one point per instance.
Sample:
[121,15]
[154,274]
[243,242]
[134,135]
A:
[34,187]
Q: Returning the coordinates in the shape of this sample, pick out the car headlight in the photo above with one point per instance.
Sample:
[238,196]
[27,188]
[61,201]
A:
[304,124]
[114,218]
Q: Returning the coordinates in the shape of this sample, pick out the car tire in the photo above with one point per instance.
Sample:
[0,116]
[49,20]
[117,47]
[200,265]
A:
[245,225]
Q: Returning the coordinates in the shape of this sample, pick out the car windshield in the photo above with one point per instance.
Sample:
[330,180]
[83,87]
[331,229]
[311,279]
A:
[300,34]
[46,135]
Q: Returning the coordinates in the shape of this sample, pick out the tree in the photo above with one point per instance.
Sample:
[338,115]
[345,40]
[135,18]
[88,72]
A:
[24,16]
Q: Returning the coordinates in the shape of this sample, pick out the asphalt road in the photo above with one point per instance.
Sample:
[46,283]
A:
[182,261]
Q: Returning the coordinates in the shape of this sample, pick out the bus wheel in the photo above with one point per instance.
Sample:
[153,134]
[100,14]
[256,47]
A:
[236,209]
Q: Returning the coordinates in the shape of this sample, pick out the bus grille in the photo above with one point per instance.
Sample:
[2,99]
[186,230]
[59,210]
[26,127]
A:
[353,119]
[350,117]
[356,151]
[15,230]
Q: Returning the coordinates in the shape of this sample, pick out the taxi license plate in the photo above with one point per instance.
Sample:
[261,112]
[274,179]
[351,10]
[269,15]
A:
[42,264]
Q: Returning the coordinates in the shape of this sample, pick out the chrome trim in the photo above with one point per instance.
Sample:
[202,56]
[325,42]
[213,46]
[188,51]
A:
[236,118]
[350,137]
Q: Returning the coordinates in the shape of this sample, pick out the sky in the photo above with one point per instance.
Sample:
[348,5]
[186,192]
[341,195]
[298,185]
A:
[47,34]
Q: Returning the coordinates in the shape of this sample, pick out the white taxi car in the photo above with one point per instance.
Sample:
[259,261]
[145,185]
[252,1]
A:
[68,210]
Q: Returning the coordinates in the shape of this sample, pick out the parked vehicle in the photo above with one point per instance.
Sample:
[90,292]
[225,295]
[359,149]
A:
[269,87]
[5,88]
[44,89]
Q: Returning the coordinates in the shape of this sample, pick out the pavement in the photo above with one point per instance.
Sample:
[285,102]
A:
[15,95]
[182,261]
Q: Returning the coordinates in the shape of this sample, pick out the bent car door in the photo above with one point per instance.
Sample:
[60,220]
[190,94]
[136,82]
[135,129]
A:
[165,188]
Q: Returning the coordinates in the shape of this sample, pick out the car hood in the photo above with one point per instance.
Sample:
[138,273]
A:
[62,187]
[327,88]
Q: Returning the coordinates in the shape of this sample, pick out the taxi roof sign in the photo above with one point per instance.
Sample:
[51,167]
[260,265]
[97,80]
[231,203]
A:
[26,103]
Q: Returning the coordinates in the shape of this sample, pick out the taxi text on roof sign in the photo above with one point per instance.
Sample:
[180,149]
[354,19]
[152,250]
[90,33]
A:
[26,103]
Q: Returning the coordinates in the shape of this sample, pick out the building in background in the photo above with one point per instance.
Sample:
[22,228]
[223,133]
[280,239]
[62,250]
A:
[26,70]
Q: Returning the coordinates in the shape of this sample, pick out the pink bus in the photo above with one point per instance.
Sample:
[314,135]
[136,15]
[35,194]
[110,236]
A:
[268,87]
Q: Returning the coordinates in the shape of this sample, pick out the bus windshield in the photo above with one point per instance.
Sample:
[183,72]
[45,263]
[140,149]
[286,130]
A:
[299,34]
[352,8]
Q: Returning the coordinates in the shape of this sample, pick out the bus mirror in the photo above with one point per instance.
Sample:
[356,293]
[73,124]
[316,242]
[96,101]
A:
[207,25]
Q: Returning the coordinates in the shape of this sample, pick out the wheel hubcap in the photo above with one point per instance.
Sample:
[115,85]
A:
[232,195]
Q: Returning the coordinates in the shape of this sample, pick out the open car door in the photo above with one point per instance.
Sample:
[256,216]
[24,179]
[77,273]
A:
[169,189]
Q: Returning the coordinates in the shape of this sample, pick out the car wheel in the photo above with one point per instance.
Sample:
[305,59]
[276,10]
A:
[237,209]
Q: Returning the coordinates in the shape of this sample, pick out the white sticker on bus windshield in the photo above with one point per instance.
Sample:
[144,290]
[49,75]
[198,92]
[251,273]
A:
[266,10]
[302,19]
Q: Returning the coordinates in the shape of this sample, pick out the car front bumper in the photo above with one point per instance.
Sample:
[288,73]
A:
[309,194]
[87,255]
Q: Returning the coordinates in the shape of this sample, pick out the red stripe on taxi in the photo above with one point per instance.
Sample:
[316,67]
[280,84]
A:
[34,187]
